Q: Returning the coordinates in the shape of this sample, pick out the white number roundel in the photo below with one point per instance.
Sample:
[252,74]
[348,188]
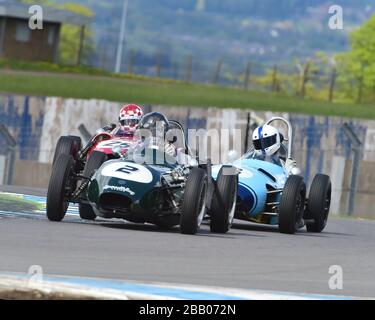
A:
[128,171]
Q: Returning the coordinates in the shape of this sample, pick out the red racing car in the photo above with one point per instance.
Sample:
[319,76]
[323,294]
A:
[104,142]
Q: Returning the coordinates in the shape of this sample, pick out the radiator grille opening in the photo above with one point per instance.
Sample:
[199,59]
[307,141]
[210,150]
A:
[114,201]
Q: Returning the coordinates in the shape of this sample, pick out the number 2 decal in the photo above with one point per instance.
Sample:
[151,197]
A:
[127,169]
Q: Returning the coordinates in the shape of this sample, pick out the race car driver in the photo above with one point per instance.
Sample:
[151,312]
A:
[129,117]
[153,129]
[267,141]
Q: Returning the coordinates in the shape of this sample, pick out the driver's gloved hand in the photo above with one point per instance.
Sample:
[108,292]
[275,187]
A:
[109,127]
[291,166]
[170,149]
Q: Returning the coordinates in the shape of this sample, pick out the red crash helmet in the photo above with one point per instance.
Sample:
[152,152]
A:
[129,118]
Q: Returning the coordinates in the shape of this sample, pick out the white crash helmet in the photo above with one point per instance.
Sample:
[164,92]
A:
[266,140]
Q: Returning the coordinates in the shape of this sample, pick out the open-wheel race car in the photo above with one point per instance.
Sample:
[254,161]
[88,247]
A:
[268,193]
[104,140]
[158,190]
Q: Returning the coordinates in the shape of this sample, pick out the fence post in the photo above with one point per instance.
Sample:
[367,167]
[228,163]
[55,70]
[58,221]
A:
[131,61]
[80,47]
[11,153]
[175,70]
[189,68]
[247,75]
[360,89]
[304,79]
[332,84]
[274,79]
[2,169]
[104,59]
[357,155]
[158,63]
[217,71]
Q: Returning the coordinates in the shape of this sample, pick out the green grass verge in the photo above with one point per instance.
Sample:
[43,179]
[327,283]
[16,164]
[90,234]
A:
[154,91]
[13,203]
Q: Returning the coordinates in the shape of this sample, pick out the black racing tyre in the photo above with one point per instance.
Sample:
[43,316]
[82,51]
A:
[61,185]
[77,147]
[77,144]
[66,145]
[292,204]
[94,162]
[319,202]
[224,200]
[194,201]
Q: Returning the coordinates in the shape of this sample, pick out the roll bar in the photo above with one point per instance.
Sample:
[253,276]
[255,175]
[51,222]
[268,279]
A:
[290,132]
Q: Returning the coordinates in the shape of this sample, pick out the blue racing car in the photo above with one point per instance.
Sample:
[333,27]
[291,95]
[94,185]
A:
[271,189]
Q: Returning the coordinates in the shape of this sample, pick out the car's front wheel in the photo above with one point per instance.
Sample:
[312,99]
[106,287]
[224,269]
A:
[292,204]
[69,145]
[194,201]
[61,185]
[224,200]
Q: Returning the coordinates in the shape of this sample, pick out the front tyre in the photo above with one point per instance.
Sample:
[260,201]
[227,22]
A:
[319,203]
[194,202]
[292,204]
[61,186]
[69,145]
[224,200]
[94,162]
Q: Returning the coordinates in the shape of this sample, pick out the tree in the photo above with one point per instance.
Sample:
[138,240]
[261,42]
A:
[70,36]
[358,64]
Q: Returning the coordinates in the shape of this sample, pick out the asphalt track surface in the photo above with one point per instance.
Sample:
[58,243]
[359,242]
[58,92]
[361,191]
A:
[249,256]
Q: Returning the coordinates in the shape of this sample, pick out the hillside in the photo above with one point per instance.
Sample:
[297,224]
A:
[234,30]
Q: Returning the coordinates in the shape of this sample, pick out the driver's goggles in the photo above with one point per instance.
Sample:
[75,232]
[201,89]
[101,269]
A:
[129,122]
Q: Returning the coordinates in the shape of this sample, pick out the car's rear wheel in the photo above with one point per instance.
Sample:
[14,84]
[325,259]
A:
[62,183]
[94,162]
[194,201]
[318,203]
[69,145]
[292,204]
[224,200]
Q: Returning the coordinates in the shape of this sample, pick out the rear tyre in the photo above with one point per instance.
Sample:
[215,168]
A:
[61,185]
[319,203]
[292,204]
[224,201]
[94,162]
[69,145]
[194,202]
